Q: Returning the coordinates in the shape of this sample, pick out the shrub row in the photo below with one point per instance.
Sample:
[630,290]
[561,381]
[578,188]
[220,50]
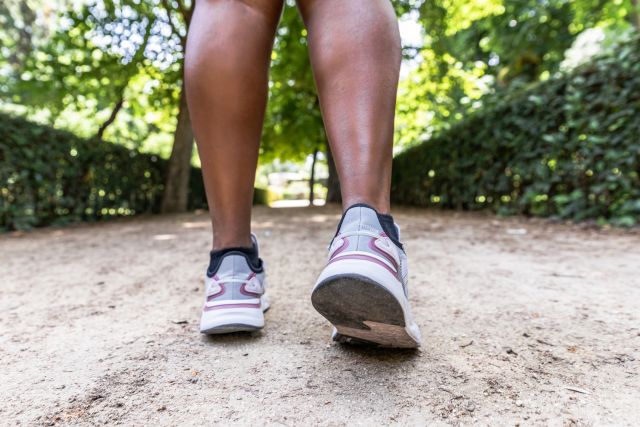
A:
[567,148]
[49,176]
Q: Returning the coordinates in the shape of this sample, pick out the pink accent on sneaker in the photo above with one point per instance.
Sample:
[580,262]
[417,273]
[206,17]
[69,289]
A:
[343,245]
[376,249]
[217,294]
[367,258]
[244,291]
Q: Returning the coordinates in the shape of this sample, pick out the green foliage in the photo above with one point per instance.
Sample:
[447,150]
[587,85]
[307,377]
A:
[49,176]
[262,196]
[474,49]
[99,54]
[568,148]
[293,124]
[113,68]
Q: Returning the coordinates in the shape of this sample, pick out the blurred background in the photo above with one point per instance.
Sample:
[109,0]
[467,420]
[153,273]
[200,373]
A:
[527,107]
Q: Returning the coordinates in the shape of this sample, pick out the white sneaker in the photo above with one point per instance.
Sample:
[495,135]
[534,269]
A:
[362,290]
[235,295]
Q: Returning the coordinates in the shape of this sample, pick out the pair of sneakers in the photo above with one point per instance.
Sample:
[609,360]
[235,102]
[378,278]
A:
[362,290]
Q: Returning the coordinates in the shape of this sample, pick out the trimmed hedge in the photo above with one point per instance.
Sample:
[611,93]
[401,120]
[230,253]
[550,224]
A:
[48,176]
[567,148]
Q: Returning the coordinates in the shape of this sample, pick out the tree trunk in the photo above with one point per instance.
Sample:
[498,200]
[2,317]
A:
[176,188]
[312,178]
[112,117]
[333,182]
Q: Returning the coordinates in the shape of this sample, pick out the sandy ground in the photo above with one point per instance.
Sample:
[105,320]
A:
[524,322]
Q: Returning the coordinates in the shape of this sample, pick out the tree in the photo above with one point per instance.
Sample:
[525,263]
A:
[475,50]
[87,66]
[18,29]
[112,69]
[177,181]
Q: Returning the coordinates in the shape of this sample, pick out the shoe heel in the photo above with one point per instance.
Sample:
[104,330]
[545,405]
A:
[362,311]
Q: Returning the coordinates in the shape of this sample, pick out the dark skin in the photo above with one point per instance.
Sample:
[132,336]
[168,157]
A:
[355,54]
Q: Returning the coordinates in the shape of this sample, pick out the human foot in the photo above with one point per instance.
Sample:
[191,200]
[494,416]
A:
[362,290]
[234,286]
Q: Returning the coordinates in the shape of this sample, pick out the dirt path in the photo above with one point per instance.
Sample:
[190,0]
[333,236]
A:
[524,322]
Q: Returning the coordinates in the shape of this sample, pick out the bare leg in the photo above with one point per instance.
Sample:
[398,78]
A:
[355,54]
[226,75]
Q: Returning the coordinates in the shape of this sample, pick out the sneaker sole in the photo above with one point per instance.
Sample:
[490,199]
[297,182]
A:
[362,311]
[234,320]
[230,328]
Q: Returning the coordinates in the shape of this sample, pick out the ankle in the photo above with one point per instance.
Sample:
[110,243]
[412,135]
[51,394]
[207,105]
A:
[223,242]
[381,206]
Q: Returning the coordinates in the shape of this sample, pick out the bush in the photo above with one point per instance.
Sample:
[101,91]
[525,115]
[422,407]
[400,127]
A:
[49,176]
[568,148]
[262,196]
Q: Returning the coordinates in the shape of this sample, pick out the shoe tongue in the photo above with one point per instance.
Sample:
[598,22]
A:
[360,218]
[232,265]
